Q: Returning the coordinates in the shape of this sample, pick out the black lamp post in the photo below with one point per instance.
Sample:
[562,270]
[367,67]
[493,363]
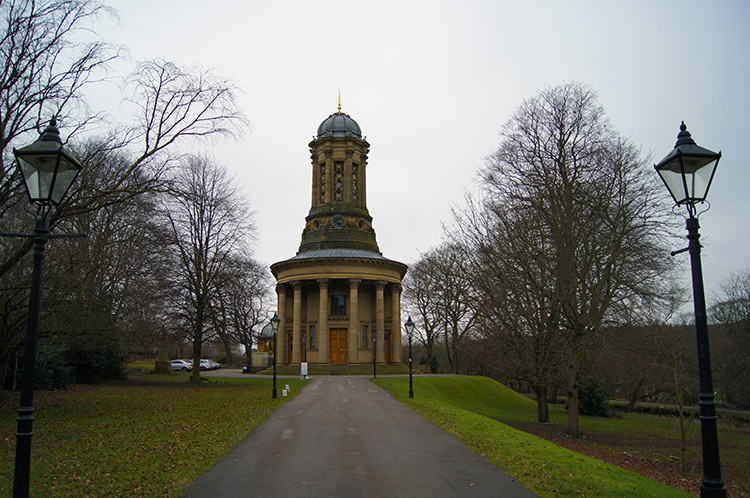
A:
[275,327]
[374,354]
[687,172]
[304,347]
[48,172]
[409,325]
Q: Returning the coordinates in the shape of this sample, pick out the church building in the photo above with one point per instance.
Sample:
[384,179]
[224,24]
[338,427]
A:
[339,298]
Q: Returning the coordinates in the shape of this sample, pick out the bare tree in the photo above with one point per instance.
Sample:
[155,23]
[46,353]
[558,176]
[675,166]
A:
[42,72]
[456,303]
[592,203]
[420,297]
[208,223]
[174,106]
[241,305]
[731,316]
[507,258]
[437,288]
[675,352]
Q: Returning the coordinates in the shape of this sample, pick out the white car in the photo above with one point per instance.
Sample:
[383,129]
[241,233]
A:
[182,365]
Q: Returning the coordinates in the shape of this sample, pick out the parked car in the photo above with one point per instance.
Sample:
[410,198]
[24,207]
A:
[182,365]
[206,365]
[215,365]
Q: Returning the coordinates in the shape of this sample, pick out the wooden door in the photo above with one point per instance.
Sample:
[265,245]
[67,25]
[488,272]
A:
[387,348]
[290,347]
[338,343]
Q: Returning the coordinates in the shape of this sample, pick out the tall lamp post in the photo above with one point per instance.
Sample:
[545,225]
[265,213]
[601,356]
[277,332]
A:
[409,325]
[48,171]
[374,353]
[687,171]
[275,328]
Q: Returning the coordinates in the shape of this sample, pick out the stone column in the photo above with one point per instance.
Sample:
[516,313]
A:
[162,365]
[396,323]
[297,323]
[380,319]
[281,333]
[353,319]
[323,340]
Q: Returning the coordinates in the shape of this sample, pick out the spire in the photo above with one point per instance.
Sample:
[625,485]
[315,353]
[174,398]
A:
[339,100]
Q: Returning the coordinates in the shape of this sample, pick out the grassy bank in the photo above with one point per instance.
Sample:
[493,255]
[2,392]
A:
[150,436]
[471,409]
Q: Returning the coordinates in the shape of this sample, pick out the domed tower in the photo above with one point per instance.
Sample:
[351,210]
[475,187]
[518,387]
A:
[339,298]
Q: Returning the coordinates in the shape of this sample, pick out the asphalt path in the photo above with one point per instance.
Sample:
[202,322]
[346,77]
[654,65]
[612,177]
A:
[346,437]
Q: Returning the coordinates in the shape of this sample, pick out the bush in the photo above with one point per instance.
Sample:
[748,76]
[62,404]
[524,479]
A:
[592,400]
[52,371]
[432,362]
[96,361]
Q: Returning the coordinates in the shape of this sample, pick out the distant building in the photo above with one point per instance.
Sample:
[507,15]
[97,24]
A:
[339,289]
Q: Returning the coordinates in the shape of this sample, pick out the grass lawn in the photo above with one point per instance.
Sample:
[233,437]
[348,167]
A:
[150,436]
[486,415]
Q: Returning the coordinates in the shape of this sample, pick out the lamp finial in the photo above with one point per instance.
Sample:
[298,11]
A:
[684,138]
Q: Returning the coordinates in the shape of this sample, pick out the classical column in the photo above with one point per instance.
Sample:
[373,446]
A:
[297,323]
[396,323]
[281,333]
[323,340]
[353,319]
[380,319]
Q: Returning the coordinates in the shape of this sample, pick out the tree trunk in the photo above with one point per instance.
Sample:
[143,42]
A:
[249,354]
[683,440]
[634,396]
[542,409]
[553,395]
[573,427]
[195,377]
[573,372]
[227,348]
[448,352]
[430,356]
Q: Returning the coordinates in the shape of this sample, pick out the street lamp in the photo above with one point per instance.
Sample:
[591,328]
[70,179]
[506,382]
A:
[374,351]
[687,171]
[48,171]
[409,325]
[275,327]
[304,347]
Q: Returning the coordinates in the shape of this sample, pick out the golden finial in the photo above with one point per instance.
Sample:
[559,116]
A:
[339,100]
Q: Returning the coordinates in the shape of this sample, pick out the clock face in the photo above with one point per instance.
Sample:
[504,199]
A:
[338,221]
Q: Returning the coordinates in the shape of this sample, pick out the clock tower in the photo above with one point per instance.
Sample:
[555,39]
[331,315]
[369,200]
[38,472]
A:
[339,298]
[338,216]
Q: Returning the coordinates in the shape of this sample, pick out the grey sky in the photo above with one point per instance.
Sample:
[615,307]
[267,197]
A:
[432,82]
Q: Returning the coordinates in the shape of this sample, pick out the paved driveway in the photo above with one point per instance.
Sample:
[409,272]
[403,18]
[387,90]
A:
[346,437]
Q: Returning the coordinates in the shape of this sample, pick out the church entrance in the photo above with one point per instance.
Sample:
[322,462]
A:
[338,346]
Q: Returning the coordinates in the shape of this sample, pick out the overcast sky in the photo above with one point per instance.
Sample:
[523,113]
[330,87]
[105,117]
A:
[431,83]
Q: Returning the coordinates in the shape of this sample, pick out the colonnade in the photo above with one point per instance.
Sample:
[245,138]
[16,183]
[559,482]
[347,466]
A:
[353,323]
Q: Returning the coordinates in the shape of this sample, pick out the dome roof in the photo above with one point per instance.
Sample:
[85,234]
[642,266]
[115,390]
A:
[339,125]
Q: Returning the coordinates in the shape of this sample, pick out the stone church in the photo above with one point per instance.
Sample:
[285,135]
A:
[339,292]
